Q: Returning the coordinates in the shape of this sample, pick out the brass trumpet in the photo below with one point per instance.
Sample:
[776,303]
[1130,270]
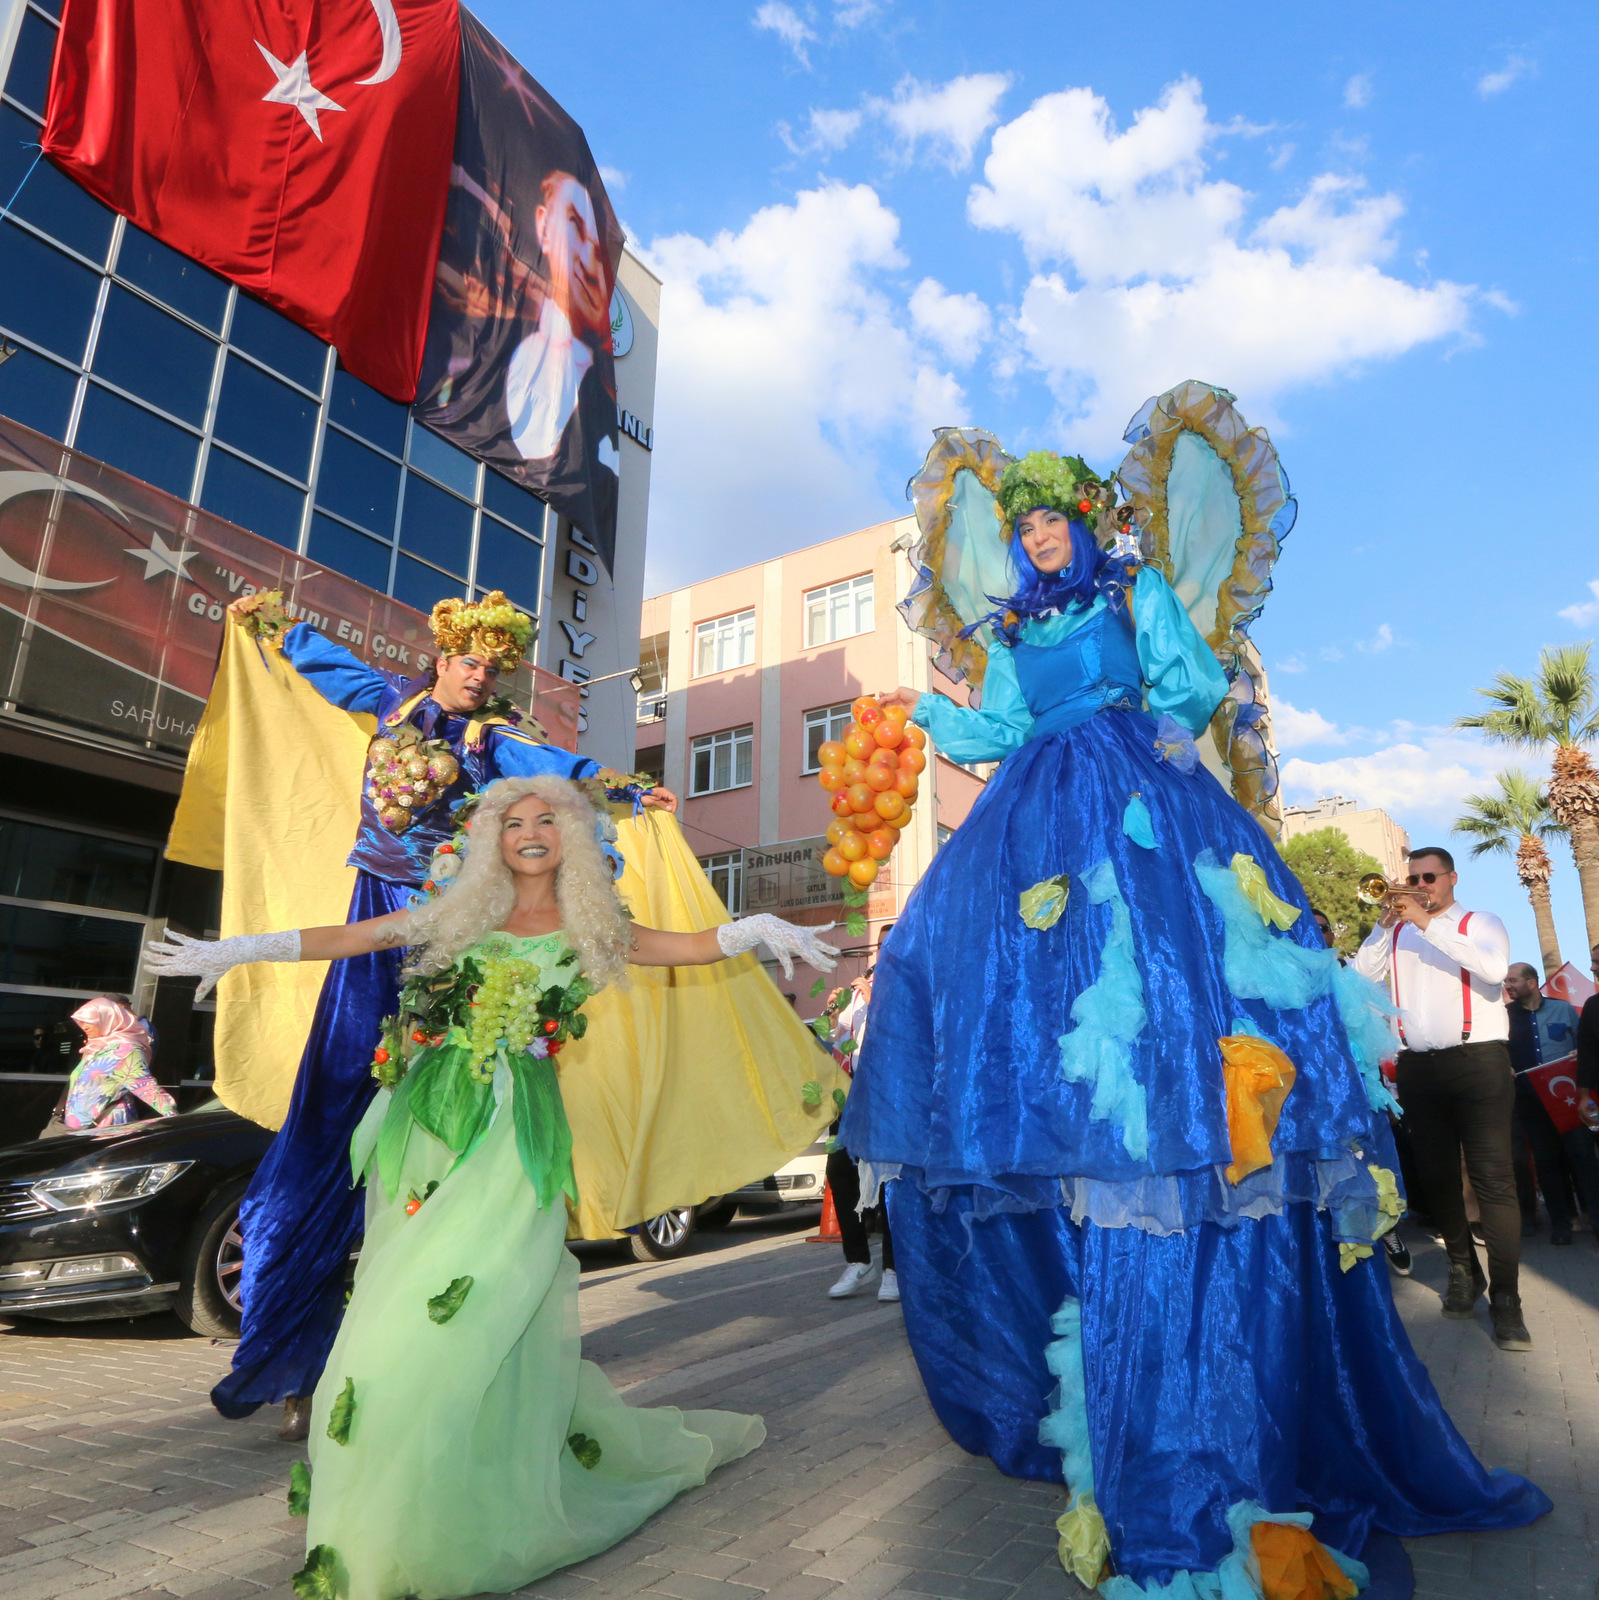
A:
[1373,889]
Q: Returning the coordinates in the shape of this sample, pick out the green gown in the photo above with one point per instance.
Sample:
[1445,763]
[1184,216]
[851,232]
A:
[463,1470]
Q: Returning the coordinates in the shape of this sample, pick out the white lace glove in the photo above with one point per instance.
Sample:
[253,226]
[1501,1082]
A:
[208,959]
[783,939]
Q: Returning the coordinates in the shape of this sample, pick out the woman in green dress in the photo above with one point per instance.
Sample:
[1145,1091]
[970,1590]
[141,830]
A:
[459,1444]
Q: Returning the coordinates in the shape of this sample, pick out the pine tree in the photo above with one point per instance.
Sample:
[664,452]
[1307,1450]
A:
[1328,867]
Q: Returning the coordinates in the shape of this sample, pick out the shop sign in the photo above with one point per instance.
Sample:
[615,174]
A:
[788,877]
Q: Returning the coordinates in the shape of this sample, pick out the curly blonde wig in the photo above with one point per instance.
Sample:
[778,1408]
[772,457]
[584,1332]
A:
[482,895]
[491,627]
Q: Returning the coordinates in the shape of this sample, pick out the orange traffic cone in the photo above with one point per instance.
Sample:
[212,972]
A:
[828,1234]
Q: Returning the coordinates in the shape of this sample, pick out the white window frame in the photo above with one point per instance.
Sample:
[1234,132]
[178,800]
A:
[738,743]
[730,866]
[837,603]
[832,720]
[723,637]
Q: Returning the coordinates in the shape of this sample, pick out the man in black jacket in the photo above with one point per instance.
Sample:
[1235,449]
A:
[1588,1055]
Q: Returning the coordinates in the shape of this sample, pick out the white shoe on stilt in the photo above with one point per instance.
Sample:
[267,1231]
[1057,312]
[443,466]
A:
[889,1288]
[858,1276]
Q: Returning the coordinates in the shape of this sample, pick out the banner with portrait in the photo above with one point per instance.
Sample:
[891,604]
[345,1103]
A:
[518,367]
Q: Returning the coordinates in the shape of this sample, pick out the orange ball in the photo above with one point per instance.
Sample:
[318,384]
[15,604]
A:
[888,734]
[910,758]
[841,806]
[869,717]
[898,715]
[861,704]
[837,828]
[880,843]
[905,785]
[888,805]
[861,798]
[832,779]
[853,771]
[834,865]
[831,754]
[882,756]
[915,736]
[859,743]
[852,846]
[863,873]
[880,777]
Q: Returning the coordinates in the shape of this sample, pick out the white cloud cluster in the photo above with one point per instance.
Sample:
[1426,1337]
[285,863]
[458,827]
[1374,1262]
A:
[956,323]
[783,366]
[1418,780]
[1495,83]
[942,122]
[1146,271]
[1358,92]
[1587,612]
[789,26]
[1293,729]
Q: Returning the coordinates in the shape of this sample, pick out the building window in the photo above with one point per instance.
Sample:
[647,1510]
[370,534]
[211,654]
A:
[726,873]
[839,612]
[944,835]
[723,760]
[827,722]
[725,643]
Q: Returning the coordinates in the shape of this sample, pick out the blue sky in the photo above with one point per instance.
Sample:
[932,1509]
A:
[1375,223]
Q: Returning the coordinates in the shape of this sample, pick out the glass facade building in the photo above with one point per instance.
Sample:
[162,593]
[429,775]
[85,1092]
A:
[136,355]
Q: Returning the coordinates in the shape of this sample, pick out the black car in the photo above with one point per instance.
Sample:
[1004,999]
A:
[125,1221]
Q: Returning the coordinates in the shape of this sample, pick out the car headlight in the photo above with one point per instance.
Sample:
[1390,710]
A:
[78,1191]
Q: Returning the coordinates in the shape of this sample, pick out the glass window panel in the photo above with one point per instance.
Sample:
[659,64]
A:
[419,585]
[183,284]
[29,78]
[702,767]
[52,6]
[155,356]
[49,199]
[252,498]
[37,1033]
[363,410]
[76,869]
[436,525]
[36,392]
[265,418]
[44,295]
[722,767]
[514,503]
[358,483]
[57,950]
[115,430]
[505,560]
[452,467]
[271,338]
[342,549]
[827,723]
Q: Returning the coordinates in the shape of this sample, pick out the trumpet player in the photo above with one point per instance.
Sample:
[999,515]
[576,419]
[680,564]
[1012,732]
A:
[1445,967]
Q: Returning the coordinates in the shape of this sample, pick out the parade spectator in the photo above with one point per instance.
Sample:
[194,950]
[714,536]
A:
[1588,1053]
[1544,1029]
[112,1076]
[1446,969]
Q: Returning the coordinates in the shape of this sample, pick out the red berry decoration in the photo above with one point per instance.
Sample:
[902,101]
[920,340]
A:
[551,1025]
[1084,507]
[380,1057]
[412,1207]
[554,1047]
[419,1037]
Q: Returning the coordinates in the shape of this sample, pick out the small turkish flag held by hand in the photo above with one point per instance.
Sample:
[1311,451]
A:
[299,147]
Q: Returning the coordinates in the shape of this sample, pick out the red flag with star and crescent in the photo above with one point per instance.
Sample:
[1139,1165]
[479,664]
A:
[300,148]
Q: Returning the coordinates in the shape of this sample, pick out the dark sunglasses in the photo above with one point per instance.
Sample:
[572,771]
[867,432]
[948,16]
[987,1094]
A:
[1416,879]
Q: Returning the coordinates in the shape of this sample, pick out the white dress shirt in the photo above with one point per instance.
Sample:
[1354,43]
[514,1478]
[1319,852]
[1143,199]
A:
[541,382]
[1428,990]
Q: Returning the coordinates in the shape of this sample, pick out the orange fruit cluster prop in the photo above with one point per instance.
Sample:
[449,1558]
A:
[871,776]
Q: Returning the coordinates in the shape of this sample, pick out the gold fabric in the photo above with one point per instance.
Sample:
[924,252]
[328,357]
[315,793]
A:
[1084,1542]
[1258,1077]
[1295,1565]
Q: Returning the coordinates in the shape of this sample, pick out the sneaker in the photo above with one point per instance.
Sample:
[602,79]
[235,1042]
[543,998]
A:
[888,1289]
[296,1418]
[1510,1328]
[1398,1254]
[858,1275]
[1560,1235]
[1465,1285]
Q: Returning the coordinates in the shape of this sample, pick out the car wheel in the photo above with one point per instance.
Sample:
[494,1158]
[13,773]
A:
[208,1299]
[718,1216]
[665,1236]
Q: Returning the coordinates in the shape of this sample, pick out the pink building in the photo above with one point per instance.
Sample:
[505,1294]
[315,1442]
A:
[745,676]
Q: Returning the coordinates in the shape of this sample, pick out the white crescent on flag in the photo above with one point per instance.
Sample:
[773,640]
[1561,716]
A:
[389,27]
[14,483]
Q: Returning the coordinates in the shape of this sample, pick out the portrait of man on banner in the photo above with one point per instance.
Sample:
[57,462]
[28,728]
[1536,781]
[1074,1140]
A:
[518,367]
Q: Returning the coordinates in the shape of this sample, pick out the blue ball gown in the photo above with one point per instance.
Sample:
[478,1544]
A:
[1089,1299]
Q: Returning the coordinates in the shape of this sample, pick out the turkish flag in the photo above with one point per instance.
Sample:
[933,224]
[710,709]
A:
[299,147]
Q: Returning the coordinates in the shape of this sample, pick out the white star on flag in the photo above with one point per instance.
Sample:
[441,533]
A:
[159,558]
[294,88]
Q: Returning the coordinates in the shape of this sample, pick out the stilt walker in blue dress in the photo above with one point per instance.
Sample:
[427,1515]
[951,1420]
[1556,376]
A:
[1127,1107]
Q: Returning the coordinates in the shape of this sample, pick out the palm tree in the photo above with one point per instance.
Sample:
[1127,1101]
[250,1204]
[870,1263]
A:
[1519,817]
[1557,707]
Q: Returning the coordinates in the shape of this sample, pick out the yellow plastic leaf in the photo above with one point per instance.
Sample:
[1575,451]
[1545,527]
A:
[1349,1254]
[1084,1544]
[1388,1201]
[1042,905]
[1252,880]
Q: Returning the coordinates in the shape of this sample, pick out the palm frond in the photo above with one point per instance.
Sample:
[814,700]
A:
[1566,685]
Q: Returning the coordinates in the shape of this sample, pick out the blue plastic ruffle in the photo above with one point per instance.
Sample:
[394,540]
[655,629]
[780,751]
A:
[1257,963]
[1137,823]
[1066,1427]
[1367,1016]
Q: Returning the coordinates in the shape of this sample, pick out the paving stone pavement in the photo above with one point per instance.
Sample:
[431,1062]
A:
[117,1479]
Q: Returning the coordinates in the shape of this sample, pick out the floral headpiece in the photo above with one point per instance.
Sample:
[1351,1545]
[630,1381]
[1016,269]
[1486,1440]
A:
[1042,478]
[492,627]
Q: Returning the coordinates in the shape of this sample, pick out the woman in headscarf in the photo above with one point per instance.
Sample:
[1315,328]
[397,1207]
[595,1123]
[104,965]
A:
[113,1072]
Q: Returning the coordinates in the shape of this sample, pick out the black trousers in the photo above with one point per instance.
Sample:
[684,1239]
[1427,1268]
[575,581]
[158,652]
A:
[845,1182]
[1551,1150]
[1458,1103]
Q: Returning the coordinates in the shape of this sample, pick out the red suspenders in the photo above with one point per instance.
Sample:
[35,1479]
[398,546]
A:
[1465,983]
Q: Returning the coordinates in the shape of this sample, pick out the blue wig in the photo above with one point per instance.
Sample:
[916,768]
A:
[1090,572]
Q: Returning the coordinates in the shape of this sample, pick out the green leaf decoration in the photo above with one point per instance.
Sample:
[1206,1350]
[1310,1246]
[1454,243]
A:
[854,896]
[855,925]
[342,1417]
[586,1450]
[543,1135]
[318,1579]
[818,987]
[1043,904]
[444,1306]
[299,1490]
[847,1047]
[823,1029]
[811,1094]
[838,1096]
[833,1146]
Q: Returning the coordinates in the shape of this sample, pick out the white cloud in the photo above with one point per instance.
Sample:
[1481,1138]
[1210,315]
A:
[829,130]
[1588,610]
[956,323]
[788,25]
[852,13]
[1380,641]
[1418,782]
[1293,729]
[945,119]
[784,369]
[1494,83]
[1357,92]
[614,179]
[1146,271]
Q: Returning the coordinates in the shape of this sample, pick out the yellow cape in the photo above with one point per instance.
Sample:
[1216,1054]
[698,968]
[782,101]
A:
[689,1083]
